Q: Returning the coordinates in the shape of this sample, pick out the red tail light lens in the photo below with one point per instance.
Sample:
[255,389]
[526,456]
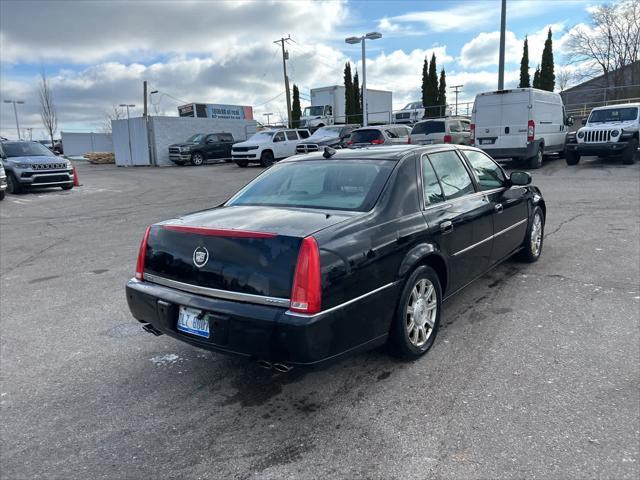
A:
[142,252]
[531,130]
[473,133]
[377,141]
[409,140]
[306,293]
[350,142]
[447,139]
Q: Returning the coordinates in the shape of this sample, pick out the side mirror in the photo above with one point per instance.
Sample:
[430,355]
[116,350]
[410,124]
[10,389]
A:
[569,122]
[584,122]
[520,178]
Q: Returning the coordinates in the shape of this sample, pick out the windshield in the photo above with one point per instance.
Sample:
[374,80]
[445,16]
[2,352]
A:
[261,136]
[195,138]
[26,149]
[412,106]
[327,132]
[426,128]
[345,185]
[614,115]
[313,111]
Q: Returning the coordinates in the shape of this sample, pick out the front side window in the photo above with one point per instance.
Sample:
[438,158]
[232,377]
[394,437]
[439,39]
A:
[430,185]
[454,178]
[488,173]
[291,135]
[279,137]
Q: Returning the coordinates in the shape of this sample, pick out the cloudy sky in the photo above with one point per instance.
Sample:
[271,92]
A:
[96,53]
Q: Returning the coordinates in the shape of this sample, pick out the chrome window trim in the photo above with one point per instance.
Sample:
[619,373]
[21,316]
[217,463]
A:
[217,293]
[342,305]
[490,238]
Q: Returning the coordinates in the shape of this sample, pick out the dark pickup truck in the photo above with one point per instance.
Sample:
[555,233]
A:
[202,147]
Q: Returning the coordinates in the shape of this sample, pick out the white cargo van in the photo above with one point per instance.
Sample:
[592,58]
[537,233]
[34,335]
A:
[522,124]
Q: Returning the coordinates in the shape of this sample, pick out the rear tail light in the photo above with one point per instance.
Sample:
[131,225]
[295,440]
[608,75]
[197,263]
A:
[447,139]
[350,142]
[377,141]
[473,133]
[142,252]
[306,292]
[409,140]
[531,130]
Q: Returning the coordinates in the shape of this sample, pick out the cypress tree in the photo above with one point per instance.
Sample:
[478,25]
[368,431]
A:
[536,77]
[547,77]
[432,88]
[357,99]
[425,83]
[442,94]
[348,93]
[296,111]
[525,79]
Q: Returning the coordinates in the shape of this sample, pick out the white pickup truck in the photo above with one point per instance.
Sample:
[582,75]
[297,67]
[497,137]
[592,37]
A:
[267,146]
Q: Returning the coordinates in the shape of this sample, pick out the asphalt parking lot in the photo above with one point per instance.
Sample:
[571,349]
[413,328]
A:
[534,374]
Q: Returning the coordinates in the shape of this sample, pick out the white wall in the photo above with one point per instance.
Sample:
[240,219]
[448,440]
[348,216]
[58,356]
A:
[165,131]
[134,131]
[76,144]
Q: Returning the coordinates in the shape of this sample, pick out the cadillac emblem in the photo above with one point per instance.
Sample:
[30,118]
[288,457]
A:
[200,257]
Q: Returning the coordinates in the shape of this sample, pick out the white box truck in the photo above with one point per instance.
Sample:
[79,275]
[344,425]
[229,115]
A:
[522,124]
[328,107]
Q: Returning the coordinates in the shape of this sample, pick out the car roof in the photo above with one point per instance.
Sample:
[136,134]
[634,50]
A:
[391,152]
[618,105]
[379,127]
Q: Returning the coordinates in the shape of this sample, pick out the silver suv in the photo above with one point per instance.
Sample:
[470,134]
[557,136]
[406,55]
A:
[31,164]
[454,130]
[379,135]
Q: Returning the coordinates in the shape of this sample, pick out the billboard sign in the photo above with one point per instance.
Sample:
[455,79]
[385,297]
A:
[216,110]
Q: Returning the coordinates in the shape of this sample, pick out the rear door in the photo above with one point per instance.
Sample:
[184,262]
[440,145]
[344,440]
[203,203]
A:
[211,148]
[460,216]
[508,205]
[515,114]
[291,142]
[226,142]
[279,147]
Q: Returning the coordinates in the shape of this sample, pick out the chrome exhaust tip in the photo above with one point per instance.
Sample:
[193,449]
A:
[151,329]
[281,367]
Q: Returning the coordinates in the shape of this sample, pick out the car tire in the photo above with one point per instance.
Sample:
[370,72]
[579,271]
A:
[266,159]
[572,158]
[242,164]
[536,161]
[1,194]
[180,164]
[534,239]
[228,160]
[631,153]
[66,187]
[417,318]
[12,184]
[197,159]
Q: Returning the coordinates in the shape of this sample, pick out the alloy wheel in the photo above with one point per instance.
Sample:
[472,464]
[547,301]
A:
[421,312]
[536,234]
[197,159]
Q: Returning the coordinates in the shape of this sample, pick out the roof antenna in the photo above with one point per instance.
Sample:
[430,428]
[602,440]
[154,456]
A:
[328,152]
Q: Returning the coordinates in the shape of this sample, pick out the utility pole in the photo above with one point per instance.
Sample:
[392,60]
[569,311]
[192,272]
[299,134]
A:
[503,23]
[15,112]
[457,89]
[144,93]
[285,57]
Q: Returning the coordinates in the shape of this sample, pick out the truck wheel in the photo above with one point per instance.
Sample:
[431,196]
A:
[12,184]
[572,158]
[242,163]
[197,159]
[266,159]
[631,153]
[536,161]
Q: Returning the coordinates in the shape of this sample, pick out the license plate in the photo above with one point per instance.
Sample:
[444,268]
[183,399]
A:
[427,142]
[486,141]
[193,321]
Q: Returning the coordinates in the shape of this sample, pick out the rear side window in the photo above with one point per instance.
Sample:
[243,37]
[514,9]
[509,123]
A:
[454,178]
[425,128]
[402,132]
[291,135]
[430,185]
[366,136]
[225,137]
[489,174]
[303,134]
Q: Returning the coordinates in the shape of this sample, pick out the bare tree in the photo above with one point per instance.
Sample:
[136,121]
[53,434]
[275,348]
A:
[48,112]
[563,78]
[116,113]
[610,44]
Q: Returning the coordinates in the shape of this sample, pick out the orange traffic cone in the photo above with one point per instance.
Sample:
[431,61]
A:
[76,179]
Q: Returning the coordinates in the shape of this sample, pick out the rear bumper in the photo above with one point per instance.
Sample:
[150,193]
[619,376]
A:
[521,152]
[599,149]
[264,332]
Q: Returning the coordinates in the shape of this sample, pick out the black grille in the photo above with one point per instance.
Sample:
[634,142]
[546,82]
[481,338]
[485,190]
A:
[48,166]
[51,179]
[174,150]
[306,147]
[240,149]
[403,115]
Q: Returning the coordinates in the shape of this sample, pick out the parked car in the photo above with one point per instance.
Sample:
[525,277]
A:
[335,252]
[3,181]
[202,147]
[410,113]
[31,165]
[268,146]
[455,130]
[522,124]
[610,130]
[335,136]
[379,135]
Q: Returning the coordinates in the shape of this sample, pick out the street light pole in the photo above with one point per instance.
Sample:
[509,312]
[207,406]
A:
[267,115]
[503,22]
[457,89]
[129,129]
[15,112]
[362,39]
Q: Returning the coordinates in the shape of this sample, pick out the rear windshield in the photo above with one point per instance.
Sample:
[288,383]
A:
[326,184]
[366,136]
[425,128]
[614,115]
[26,149]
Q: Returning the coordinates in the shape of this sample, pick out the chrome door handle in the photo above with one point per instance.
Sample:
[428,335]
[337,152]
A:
[446,227]
[498,208]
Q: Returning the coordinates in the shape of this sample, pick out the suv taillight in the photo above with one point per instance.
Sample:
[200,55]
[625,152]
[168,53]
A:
[306,293]
[447,139]
[409,140]
[377,141]
[531,130]
[142,252]
[473,133]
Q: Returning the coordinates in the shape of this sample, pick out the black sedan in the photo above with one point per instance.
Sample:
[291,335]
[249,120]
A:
[331,253]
